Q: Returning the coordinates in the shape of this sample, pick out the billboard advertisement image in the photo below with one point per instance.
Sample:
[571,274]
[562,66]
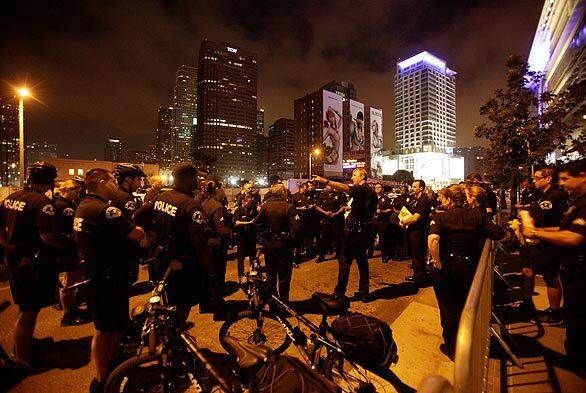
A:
[376,143]
[356,130]
[332,133]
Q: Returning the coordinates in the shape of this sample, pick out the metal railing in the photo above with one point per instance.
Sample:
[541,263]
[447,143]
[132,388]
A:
[473,340]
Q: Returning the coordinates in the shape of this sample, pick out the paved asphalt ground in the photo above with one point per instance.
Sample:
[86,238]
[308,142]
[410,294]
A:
[69,356]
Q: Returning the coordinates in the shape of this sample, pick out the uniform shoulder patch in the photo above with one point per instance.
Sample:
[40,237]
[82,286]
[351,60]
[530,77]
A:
[48,209]
[431,223]
[197,217]
[130,205]
[579,221]
[68,212]
[113,212]
[545,205]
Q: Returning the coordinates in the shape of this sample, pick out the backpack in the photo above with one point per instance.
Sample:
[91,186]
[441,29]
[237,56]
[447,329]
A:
[365,340]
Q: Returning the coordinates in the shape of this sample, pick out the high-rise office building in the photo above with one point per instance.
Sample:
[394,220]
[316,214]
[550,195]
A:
[345,89]
[114,149]
[40,151]
[474,157]
[282,148]
[185,112]
[164,137]
[9,142]
[425,105]
[227,109]
[308,118]
[262,153]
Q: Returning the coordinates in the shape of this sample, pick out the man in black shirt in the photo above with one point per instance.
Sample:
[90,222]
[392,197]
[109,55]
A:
[381,223]
[547,211]
[571,235]
[280,223]
[304,206]
[417,226]
[357,232]
[245,236]
[331,205]
[30,237]
[102,233]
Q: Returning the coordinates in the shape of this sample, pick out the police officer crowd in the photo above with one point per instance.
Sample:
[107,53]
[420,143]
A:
[97,230]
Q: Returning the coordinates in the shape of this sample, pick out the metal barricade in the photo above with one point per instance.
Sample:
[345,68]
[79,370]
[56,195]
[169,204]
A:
[473,342]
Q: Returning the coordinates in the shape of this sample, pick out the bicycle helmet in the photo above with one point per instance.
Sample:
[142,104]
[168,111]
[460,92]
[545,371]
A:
[42,172]
[123,170]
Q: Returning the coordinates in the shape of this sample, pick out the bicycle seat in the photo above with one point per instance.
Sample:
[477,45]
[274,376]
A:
[248,356]
[331,304]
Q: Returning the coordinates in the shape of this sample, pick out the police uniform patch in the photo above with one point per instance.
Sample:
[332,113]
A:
[68,212]
[130,205]
[545,205]
[297,217]
[48,209]
[113,212]
[197,217]
[431,223]
[579,221]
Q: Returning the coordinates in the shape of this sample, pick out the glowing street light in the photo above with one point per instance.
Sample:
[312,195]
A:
[315,152]
[23,92]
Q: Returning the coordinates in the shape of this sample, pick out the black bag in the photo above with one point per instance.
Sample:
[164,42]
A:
[285,374]
[365,340]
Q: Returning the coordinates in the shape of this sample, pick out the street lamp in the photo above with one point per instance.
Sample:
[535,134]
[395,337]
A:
[315,151]
[22,93]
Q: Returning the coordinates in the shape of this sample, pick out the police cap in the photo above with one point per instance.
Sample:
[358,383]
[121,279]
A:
[42,172]
[184,170]
[123,170]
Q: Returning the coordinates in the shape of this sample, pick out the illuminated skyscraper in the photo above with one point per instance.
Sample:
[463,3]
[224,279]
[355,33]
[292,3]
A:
[425,105]
[282,148]
[164,138]
[9,142]
[227,109]
[114,149]
[185,112]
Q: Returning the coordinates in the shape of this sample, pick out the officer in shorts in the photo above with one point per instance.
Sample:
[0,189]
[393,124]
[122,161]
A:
[28,232]
[65,206]
[102,233]
[180,230]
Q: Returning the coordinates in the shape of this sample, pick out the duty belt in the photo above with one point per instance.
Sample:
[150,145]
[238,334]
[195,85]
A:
[359,226]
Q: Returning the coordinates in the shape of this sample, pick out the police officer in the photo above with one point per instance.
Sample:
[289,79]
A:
[571,235]
[357,231]
[129,178]
[331,205]
[66,203]
[490,197]
[401,249]
[417,226]
[312,219]
[180,230]
[381,224]
[245,236]
[102,233]
[547,210]
[28,232]
[528,194]
[455,242]
[280,222]
[215,214]
[303,205]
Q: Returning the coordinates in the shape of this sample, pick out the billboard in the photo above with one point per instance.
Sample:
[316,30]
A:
[376,143]
[356,133]
[332,133]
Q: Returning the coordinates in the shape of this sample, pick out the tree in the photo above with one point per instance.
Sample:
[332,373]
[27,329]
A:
[523,126]
[402,176]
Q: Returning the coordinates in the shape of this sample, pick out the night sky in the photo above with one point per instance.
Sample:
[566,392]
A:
[103,68]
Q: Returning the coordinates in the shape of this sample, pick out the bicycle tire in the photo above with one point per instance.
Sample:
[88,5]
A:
[348,381]
[121,379]
[278,345]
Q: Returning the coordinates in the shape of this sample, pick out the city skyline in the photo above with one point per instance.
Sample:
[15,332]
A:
[99,77]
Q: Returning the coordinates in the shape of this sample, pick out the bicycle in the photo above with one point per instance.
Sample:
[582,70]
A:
[319,349]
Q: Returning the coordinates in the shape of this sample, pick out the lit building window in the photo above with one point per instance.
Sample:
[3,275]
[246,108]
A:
[80,172]
[71,172]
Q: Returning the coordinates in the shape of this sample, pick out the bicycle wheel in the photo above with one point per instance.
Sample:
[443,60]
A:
[245,328]
[351,377]
[142,374]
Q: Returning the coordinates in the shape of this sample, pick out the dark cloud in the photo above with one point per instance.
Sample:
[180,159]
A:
[104,67]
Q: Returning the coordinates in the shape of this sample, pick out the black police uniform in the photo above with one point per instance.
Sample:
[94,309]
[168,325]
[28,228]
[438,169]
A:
[381,227]
[181,234]
[491,199]
[31,264]
[528,195]
[401,244]
[462,232]
[128,204]
[573,275]
[547,210]
[357,238]
[220,235]
[280,225]
[245,236]
[64,212]
[332,228]
[101,234]
[302,201]
[312,222]
[417,236]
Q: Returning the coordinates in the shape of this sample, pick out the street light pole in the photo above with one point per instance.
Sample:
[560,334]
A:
[315,151]
[21,137]
[310,155]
